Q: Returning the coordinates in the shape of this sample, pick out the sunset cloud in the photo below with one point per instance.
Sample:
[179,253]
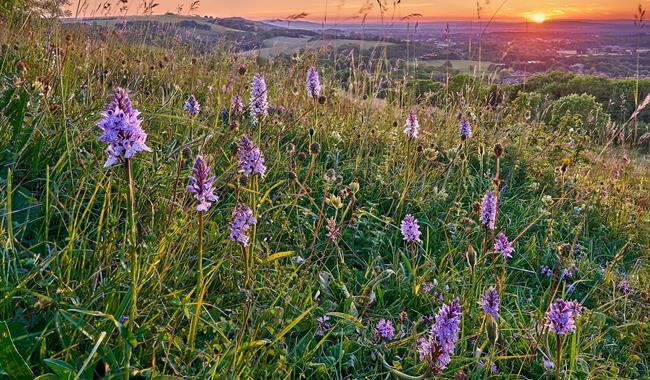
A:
[342,10]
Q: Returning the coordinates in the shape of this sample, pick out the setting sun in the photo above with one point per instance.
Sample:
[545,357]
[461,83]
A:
[538,17]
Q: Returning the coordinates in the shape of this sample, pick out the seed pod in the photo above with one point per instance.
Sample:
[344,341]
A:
[492,329]
[471,256]
[354,186]
[314,148]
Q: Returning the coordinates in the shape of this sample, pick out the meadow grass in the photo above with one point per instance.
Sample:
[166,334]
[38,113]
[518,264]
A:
[74,250]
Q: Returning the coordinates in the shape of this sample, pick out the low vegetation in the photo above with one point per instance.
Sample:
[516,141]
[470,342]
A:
[274,218]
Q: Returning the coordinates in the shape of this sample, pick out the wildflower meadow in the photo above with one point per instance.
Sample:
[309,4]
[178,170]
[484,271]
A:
[172,212]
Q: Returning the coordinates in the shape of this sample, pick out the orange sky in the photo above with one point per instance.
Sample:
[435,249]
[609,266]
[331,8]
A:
[340,10]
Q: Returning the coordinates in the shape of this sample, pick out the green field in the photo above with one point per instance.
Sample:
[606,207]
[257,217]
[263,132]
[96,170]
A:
[163,19]
[465,66]
[286,45]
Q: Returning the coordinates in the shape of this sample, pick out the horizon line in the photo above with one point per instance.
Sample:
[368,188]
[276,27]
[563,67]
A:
[355,21]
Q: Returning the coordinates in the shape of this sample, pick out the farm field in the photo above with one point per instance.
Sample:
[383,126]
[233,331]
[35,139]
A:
[287,45]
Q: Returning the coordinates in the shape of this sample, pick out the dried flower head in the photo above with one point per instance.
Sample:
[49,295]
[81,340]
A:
[121,129]
[201,185]
[498,150]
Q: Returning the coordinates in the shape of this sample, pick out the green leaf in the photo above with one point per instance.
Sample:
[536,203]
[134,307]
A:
[292,324]
[10,359]
[348,317]
[279,255]
[61,368]
[48,376]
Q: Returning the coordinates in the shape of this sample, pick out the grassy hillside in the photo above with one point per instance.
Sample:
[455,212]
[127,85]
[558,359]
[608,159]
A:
[275,46]
[108,271]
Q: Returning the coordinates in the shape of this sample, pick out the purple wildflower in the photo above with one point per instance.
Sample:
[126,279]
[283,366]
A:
[192,106]
[224,114]
[493,367]
[567,273]
[561,316]
[241,222]
[503,246]
[323,326]
[385,329]
[332,229]
[425,349]
[490,302]
[201,185]
[546,271]
[577,308]
[465,129]
[489,210]
[313,83]
[427,287]
[237,105]
[624,287]
[480,364]
[121,129]
[440,344]
[251,160]
[277,110]
[410,229]
[427,319]
[412,126]
[259,105]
